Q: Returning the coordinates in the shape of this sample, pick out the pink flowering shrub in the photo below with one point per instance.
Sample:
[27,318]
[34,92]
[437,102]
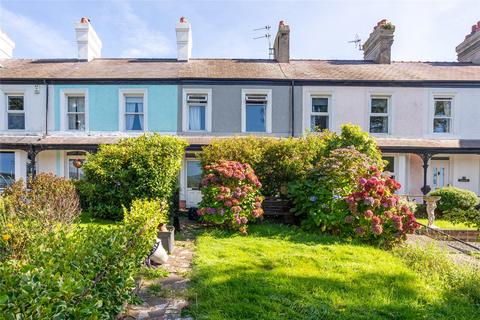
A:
[230,195]
[375,212]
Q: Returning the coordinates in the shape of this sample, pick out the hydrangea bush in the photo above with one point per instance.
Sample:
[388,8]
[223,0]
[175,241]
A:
[230,195]
[376,213]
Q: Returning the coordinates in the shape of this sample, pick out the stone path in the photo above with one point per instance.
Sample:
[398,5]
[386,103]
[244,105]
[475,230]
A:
[164,298]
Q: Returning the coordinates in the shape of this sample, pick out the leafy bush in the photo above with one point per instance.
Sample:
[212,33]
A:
[318,199]
[377,216]
[455,198]
[230,195]
[27,213]
[135,168]
[469,217]
[86,273]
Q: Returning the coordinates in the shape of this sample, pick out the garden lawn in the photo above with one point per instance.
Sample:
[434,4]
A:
[280,272]
[447,225]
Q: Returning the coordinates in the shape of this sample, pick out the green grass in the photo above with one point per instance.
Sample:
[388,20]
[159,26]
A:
[279,272]
[87,220]
[447,225]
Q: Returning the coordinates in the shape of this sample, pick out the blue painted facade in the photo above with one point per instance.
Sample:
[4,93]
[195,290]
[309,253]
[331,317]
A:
[103,106]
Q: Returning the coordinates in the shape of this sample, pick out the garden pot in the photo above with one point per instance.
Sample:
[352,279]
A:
[158,254]
[167,238]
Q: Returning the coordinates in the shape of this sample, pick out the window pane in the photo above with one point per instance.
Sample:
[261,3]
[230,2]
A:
[441,125]
[76,121]
[194,174]
[379,105]
[76,104]
[7,168]
[318,123]
[319,104]
[196,118]
[134,104]
[255,117]
[379,124]
[390,166]
[443,108]
[134,122]
[74,172]
[15,103]
[16,121]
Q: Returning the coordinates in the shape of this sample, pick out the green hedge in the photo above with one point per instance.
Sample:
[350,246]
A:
[83,274]
[277,162]
[455,198]
[135,168]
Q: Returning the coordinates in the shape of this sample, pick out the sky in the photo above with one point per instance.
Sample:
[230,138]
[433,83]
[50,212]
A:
[426,30]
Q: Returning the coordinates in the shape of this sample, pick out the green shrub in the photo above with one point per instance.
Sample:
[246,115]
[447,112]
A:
[469,217]
[230,195]
[454,198]
[135,168]
[29,213]
[86,273]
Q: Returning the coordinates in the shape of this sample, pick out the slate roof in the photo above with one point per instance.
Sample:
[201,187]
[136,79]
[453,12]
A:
[243,69]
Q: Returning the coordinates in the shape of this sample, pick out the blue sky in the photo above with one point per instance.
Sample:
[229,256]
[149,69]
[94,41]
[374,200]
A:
[427,30]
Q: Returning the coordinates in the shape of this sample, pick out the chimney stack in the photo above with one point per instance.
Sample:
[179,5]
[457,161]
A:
[378,46]
[88,42]
[469,49]
[281,47]
[184,40]
[6,46]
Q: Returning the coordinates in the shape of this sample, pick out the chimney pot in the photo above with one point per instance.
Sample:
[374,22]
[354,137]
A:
[281,46]
[88,43]
[184,40]
[6,46]
[378,46]
[469,49]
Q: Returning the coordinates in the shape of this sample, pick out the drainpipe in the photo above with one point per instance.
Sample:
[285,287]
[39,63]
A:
[293,106]
[46,107]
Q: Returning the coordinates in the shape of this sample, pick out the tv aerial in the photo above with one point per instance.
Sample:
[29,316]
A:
[357,42]
[267,36]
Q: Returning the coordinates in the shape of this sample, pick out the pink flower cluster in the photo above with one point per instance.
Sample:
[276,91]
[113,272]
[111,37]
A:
[230,194]
[375,209]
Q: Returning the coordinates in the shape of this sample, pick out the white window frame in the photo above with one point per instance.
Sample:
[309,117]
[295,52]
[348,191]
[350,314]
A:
[123,93]
[71,157]
[451,98]
[72,92]
[388,114]
[7,111]
[268,112]
[208,110]
[312,113]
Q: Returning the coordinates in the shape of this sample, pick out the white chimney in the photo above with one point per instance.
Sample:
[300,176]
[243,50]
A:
[89,44]
[6,46]
[184,40]
[469,49]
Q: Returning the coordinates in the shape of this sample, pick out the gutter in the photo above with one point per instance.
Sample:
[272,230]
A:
[46,107]
[292,103]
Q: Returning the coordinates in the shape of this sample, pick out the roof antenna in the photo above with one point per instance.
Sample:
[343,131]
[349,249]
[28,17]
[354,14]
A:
[267,35]
[357,42]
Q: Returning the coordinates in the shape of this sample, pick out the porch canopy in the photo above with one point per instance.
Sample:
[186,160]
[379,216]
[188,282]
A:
[425,148]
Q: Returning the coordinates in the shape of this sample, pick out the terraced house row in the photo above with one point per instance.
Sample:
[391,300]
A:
[425,115]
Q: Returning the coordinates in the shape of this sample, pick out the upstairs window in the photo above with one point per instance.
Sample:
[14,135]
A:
[255,112]
[442,117]
[134,115]
[319,117]
[379,108]
[197,106]
[7,169]
[76,112]
[16,112]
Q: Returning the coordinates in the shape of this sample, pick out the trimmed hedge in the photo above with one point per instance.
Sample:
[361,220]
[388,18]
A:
[455,198]
[83,274]
[136,168]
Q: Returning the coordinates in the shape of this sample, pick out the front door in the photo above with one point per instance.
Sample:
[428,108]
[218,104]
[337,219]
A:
[440,173]
[194,176]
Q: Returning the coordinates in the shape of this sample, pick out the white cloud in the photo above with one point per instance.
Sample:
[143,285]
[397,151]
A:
[35,37]
[137,39]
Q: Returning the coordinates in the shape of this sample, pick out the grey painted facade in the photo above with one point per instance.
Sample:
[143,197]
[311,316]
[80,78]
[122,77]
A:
[227,108]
